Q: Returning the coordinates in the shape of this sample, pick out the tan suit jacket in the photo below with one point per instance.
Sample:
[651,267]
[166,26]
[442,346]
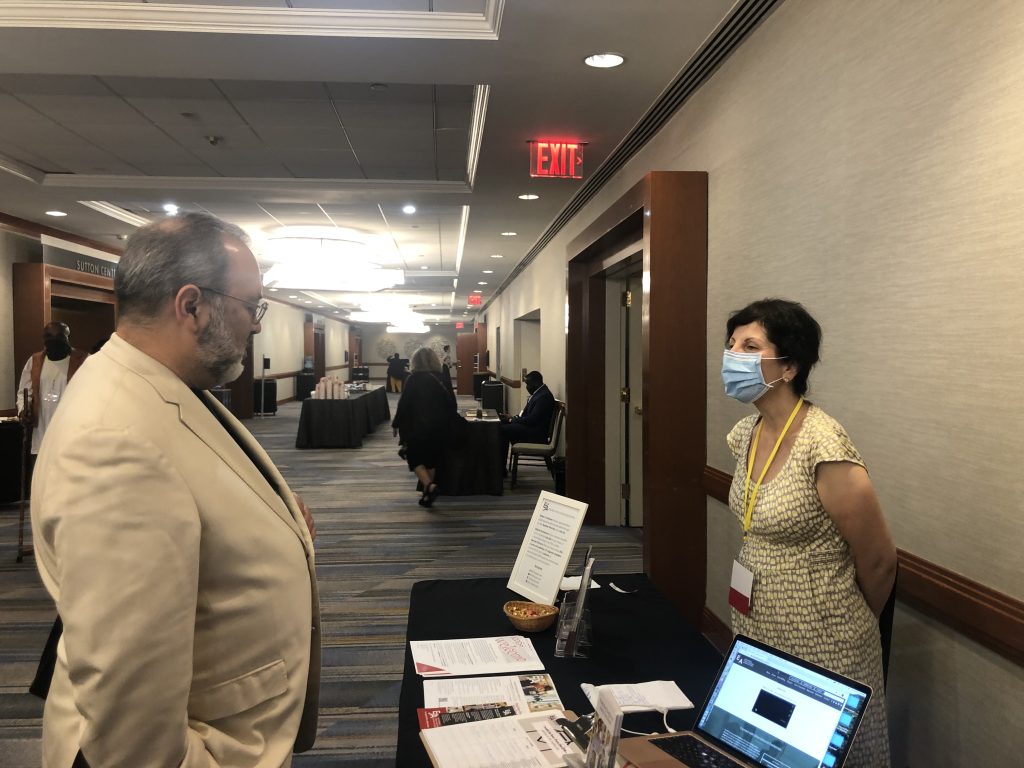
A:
[185,580]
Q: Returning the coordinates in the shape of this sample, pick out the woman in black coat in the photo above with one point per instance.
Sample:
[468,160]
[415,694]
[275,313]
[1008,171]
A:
[423,420]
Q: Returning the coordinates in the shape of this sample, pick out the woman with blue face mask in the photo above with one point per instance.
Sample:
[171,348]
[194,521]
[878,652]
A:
[817,562]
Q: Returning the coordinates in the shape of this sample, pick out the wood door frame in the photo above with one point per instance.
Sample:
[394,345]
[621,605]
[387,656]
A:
[666,214]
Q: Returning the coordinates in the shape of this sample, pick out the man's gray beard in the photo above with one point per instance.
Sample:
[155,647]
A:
[217,354]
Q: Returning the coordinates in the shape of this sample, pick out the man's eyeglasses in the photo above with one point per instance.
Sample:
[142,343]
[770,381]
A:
[257,310]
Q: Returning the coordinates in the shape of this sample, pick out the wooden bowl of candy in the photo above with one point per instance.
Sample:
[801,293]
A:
[530,617]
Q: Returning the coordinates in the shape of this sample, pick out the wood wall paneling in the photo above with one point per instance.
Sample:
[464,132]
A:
[667,211]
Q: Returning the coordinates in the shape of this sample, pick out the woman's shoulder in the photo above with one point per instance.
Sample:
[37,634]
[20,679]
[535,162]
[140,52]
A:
[739,436]
[829,440]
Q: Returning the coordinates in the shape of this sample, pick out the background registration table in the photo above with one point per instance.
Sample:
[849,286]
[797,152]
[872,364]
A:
[638,637]
[341,423]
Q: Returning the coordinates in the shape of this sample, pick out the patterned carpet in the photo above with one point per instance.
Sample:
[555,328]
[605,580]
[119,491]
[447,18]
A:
[373,543]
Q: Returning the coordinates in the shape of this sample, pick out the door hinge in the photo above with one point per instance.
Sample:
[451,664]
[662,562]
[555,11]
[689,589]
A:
[627,298]
[625,491]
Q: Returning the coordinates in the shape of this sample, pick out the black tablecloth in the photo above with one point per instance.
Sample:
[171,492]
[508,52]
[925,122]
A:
[10,461]
[638,637]
[474,467]
[341,423]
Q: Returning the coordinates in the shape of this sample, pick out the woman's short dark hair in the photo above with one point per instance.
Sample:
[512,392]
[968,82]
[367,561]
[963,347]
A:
[795,334]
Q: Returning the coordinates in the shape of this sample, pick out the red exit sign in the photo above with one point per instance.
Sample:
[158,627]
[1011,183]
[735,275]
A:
[474,299]
[556,159]
[459,326]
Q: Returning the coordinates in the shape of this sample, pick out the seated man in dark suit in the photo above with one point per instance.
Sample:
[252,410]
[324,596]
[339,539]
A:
[532,425]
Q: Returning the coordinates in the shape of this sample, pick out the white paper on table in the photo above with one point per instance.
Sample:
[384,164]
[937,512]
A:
[474,656]
[527,693]
[547,547]
[572,584]
[526,741]
[654,696]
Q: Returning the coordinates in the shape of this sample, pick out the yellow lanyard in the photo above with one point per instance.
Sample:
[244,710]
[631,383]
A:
[749,507]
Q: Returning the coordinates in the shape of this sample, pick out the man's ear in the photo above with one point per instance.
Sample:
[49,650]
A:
[186,304]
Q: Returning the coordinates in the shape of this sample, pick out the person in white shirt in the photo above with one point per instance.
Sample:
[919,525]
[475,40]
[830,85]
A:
[45,375]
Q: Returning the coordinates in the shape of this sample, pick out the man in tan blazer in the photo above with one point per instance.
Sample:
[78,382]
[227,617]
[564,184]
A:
[179,559]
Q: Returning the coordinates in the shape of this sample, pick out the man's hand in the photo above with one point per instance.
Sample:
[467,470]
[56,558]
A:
[306,515]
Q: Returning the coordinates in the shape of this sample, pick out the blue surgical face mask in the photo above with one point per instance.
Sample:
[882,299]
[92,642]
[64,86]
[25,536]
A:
[742,375]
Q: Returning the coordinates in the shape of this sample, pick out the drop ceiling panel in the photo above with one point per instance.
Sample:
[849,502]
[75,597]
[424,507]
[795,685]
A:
[75,111]
[27,157]
[390,93]
[267,114]
[195,113]
[136,143]
[259,90]
[300,134]
[173,88]
[363,116]
[54,85]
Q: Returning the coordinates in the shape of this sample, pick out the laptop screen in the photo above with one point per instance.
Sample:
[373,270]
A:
[780,711]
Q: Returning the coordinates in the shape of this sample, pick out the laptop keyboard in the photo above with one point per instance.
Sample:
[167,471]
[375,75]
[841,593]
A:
[694,752]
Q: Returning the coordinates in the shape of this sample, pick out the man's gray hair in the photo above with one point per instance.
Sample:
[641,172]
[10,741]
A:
[162,257]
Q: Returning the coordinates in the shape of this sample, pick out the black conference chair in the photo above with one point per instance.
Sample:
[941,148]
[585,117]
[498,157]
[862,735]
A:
[539,452]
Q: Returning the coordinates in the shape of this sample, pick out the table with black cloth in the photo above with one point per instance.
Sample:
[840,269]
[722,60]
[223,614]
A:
[474,465]
[637,637]
[341,423]
[10,461]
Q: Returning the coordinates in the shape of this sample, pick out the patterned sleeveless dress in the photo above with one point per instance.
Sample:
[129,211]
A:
[805,597]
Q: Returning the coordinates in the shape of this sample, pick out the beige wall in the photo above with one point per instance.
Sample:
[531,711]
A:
[865,158]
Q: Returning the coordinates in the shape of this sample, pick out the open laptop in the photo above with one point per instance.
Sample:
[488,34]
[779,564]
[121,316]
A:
[765,708]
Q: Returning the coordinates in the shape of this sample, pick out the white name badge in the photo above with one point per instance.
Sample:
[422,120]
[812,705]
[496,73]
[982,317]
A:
[741,587]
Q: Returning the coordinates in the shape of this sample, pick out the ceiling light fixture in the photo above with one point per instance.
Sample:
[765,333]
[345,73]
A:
[482,282]
[477,290]
[409,208]
[488,271]
[326,264]
[604,60]
[273,290]
[290,297]
[424,266]
[421,328]
[529,197]
[56,213]
[497,256]
[171,209]
[509,234]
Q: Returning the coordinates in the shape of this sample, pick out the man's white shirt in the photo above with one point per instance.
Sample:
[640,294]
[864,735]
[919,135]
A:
[52,380]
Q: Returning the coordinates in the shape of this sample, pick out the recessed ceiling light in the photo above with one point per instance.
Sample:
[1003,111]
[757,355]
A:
[319,306]
[409,208]
[509,234]
[497,256]
[293,297]
[170,208]
[337,311]
[56,213]
[433,305]
[274,290]
[477,291]
[308,301]
[424,266]
[482,282]
[603,60]
[488,271]
[529,197]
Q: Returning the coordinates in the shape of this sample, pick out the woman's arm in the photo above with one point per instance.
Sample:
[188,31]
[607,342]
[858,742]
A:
[849,498]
